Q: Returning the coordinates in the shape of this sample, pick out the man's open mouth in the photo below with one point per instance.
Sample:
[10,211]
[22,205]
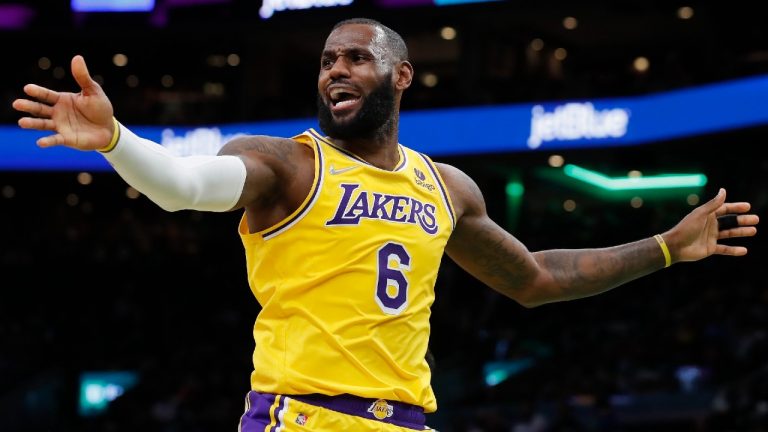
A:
[343,99]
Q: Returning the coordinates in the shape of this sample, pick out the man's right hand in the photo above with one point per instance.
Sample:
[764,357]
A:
[81,121]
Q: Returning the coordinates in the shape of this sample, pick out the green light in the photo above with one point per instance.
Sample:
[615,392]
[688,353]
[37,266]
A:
[514,192]
[515,189]
[662,181]
[99,389]
[496,377]
[499,371]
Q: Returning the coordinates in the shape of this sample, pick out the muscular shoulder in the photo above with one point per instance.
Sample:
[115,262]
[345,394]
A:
[465,194]
[279,170]
[256,145]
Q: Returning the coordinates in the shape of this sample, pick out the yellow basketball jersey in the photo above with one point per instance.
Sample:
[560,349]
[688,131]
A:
[346,282]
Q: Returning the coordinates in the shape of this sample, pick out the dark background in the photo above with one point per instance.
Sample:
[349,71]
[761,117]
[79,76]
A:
[93,280]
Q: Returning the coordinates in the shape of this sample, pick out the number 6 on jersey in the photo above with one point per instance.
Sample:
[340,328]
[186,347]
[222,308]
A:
[392,260]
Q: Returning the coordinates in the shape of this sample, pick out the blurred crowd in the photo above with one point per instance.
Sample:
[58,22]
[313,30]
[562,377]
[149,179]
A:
[94,281]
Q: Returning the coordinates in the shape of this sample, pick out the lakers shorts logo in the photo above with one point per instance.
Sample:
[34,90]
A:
[381,409]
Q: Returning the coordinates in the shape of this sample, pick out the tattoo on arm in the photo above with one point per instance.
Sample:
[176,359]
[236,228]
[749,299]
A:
[277,149]
[482,247]
[268,160]
[498,261]
[584,272]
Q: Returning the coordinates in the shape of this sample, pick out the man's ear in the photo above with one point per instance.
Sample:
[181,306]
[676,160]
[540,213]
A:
[404,75]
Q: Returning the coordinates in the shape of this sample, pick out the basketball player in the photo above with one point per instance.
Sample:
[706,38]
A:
[344,232]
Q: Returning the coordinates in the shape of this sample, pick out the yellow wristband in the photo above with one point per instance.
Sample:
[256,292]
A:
[115,138]
[664,250]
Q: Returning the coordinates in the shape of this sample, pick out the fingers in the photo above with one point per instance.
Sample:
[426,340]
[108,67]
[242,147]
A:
[42,94]
[50,140]
[37,123]
[730,250]
[749,220]
[83,78]
[745,228]
[715,204]
[747,231]
[739,226]
[37,109]
[736,207]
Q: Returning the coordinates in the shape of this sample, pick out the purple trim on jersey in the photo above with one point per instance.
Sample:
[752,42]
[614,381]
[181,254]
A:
[442,188]
[403,415]
[317,185]
[256,419]
[403,157]
[352,155]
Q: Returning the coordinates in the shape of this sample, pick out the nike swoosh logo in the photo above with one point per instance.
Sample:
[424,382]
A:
[342,170]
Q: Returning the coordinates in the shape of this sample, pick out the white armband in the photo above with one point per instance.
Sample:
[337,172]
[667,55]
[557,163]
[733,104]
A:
[212,183]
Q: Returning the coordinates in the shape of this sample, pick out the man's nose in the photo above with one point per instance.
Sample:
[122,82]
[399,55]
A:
[339,69]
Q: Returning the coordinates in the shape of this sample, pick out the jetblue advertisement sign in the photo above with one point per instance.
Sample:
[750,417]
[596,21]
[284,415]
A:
[456,131]
[573,121]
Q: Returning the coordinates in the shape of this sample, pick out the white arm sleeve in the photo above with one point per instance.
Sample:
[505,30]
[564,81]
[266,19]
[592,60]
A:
[212,183]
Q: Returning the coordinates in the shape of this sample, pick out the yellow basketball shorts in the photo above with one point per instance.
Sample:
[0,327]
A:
[265,412]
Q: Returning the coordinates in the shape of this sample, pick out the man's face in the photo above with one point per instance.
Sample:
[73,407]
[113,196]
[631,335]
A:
[356,95]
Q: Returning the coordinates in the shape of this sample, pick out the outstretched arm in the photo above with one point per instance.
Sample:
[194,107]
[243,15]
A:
[84,121]
[502,262]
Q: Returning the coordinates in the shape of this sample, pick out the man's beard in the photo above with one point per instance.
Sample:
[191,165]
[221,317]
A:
[374,118]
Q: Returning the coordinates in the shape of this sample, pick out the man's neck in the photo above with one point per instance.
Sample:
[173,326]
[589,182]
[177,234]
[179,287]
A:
[379,153]
[380,150]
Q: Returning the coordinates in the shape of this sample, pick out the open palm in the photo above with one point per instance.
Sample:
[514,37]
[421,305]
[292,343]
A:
[79,120]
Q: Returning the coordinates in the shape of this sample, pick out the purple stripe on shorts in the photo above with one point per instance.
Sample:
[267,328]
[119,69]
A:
[403,415]
[256,419]
[277,414]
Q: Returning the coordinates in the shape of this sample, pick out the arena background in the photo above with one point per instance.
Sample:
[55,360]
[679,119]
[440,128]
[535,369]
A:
[94,278]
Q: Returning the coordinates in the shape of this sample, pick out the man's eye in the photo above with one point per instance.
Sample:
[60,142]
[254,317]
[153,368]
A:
[326,63]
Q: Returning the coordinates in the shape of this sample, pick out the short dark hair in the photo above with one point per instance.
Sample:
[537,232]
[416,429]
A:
[395,42]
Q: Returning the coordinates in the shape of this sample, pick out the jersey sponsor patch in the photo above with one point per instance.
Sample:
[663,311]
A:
[421,180]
